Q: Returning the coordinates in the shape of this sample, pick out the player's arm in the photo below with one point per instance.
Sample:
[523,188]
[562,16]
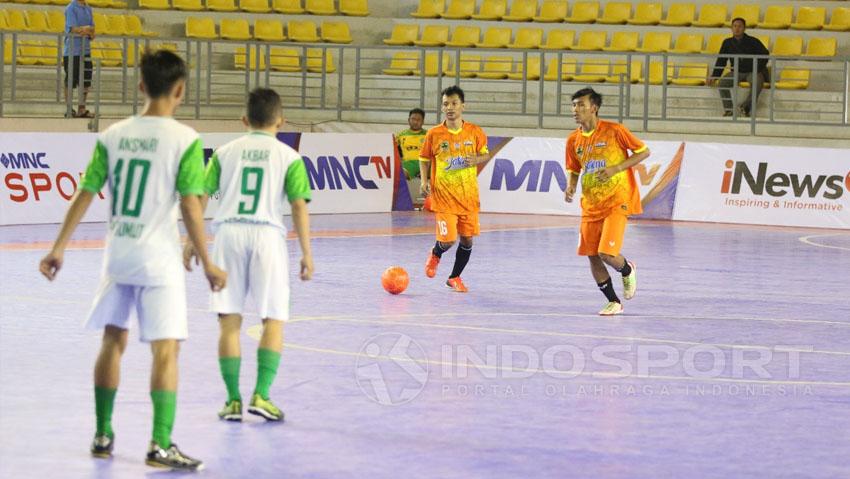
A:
[628,141]
[573,170]
[297,186]
[52,261]
[572,184]
[425,166]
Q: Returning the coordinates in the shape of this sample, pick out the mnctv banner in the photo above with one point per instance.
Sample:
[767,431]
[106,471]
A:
[786,186]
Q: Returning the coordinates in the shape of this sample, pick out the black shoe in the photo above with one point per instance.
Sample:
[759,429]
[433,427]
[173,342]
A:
[102,446]
[171,458]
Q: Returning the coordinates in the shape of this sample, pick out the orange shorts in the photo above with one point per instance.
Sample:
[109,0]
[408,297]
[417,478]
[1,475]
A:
[449,226]
[602,236]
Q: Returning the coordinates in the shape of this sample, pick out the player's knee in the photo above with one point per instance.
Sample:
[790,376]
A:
[466,241]
[114,340]
[165,350]
[446,245]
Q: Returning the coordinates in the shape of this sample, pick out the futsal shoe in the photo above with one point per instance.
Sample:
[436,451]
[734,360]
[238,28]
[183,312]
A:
[102,446]
[431,265]
[171,458]
[232,411]
[456,285]
[613,308]
[261,406]
[630,283]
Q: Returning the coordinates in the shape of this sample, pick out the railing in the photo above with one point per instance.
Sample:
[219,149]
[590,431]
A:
[349,82]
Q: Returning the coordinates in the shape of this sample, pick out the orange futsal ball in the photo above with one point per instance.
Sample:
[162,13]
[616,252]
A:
[395,279]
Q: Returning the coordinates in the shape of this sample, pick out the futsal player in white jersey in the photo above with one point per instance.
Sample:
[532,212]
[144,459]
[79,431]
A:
[148,161]
[255,175]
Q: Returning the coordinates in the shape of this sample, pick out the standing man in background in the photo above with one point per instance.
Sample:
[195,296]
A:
[79,33]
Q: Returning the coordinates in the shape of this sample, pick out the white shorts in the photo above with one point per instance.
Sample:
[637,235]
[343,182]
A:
[160,310]
[256,260]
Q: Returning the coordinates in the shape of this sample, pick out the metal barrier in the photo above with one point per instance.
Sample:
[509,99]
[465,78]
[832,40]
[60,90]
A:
[350,81]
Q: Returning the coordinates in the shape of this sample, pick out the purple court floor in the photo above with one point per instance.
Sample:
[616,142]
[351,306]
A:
[732,361]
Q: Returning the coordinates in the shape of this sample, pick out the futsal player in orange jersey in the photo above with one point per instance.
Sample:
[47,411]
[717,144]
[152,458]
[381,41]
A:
[447,162]
[598,151]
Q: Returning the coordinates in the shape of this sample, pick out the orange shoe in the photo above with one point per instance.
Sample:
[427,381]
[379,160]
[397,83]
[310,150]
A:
[456,285]
[431,265]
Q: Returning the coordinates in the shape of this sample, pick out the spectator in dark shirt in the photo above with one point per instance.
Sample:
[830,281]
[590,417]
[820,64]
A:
[740,44]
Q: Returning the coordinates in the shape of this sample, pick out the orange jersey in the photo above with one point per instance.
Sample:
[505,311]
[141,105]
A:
[588,153]
[454,187]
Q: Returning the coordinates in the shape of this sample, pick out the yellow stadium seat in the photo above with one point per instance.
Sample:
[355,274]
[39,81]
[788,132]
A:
[777,17]
[491,10]
[433,36]
[55,21]
[584,12]
[459,10]
[495,37]
[429,9]
[559,40]
[691,74]
[403,63]
[431,61]
[302,31]
[528,38]
[793,79]
[285,60]
[687,43]
[354,8]
[646,14]
[403,34]
[788,47]
[222,5]
[254,6]
[254,59]
[16,21]
[4,25]
[655,42]
[496,68]
[615,13]
[154,4]
[134,27]
[764,39]
[680,15]
[623,42]
[235,29]
[318,64]
[336,32]
[839,20]
[715,41]
[821,48]
[521,11]
[464,36]
[49,53]
[552,11]
[36,21]
[200,28]
[620,72]
[531,73]
[468,66]
[320,7]
[711,15]
[590,40]
[656,73]
[594,70]
[29,52]
[187,5]
[117,25]
[101,24]
[568,69]
[810,18]
[292,7]
[111,54]
[269,31]
[7,49]
[750,13]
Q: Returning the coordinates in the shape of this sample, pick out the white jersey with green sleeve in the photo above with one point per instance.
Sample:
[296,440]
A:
[255,174]
[148,163]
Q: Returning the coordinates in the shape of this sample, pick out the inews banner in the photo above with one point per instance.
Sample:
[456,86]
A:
[527,175]
[348,173]
[786,186]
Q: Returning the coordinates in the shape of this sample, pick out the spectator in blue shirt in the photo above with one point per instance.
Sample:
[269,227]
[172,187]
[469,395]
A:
[79,32]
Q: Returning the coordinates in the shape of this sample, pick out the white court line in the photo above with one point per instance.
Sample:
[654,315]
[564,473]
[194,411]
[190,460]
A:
[807,240]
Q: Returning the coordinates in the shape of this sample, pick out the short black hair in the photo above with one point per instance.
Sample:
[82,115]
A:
[161,70]
[738,19]
[263,107]
[417,111]
[453,90]
[595,98]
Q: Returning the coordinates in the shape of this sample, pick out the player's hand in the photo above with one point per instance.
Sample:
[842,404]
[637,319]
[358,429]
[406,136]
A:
[569,193]
[607,173]
[50,265]
[189,253]
[467,162]
[216,277]
[306,268]
[711,81]
[425,188]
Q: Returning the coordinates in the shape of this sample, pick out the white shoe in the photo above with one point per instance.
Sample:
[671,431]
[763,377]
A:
[630,283]
[613,308]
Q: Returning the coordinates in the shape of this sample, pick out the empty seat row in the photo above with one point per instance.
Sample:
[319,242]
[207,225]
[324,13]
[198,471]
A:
[91,3]
[621,41]
[315,7]
[53,21]
[285,60]
[268,30]
[645,13]
[110,53]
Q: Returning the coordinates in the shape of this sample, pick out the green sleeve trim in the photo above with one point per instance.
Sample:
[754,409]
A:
[297,185]
[97,171]
[212,176]
[190,175]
